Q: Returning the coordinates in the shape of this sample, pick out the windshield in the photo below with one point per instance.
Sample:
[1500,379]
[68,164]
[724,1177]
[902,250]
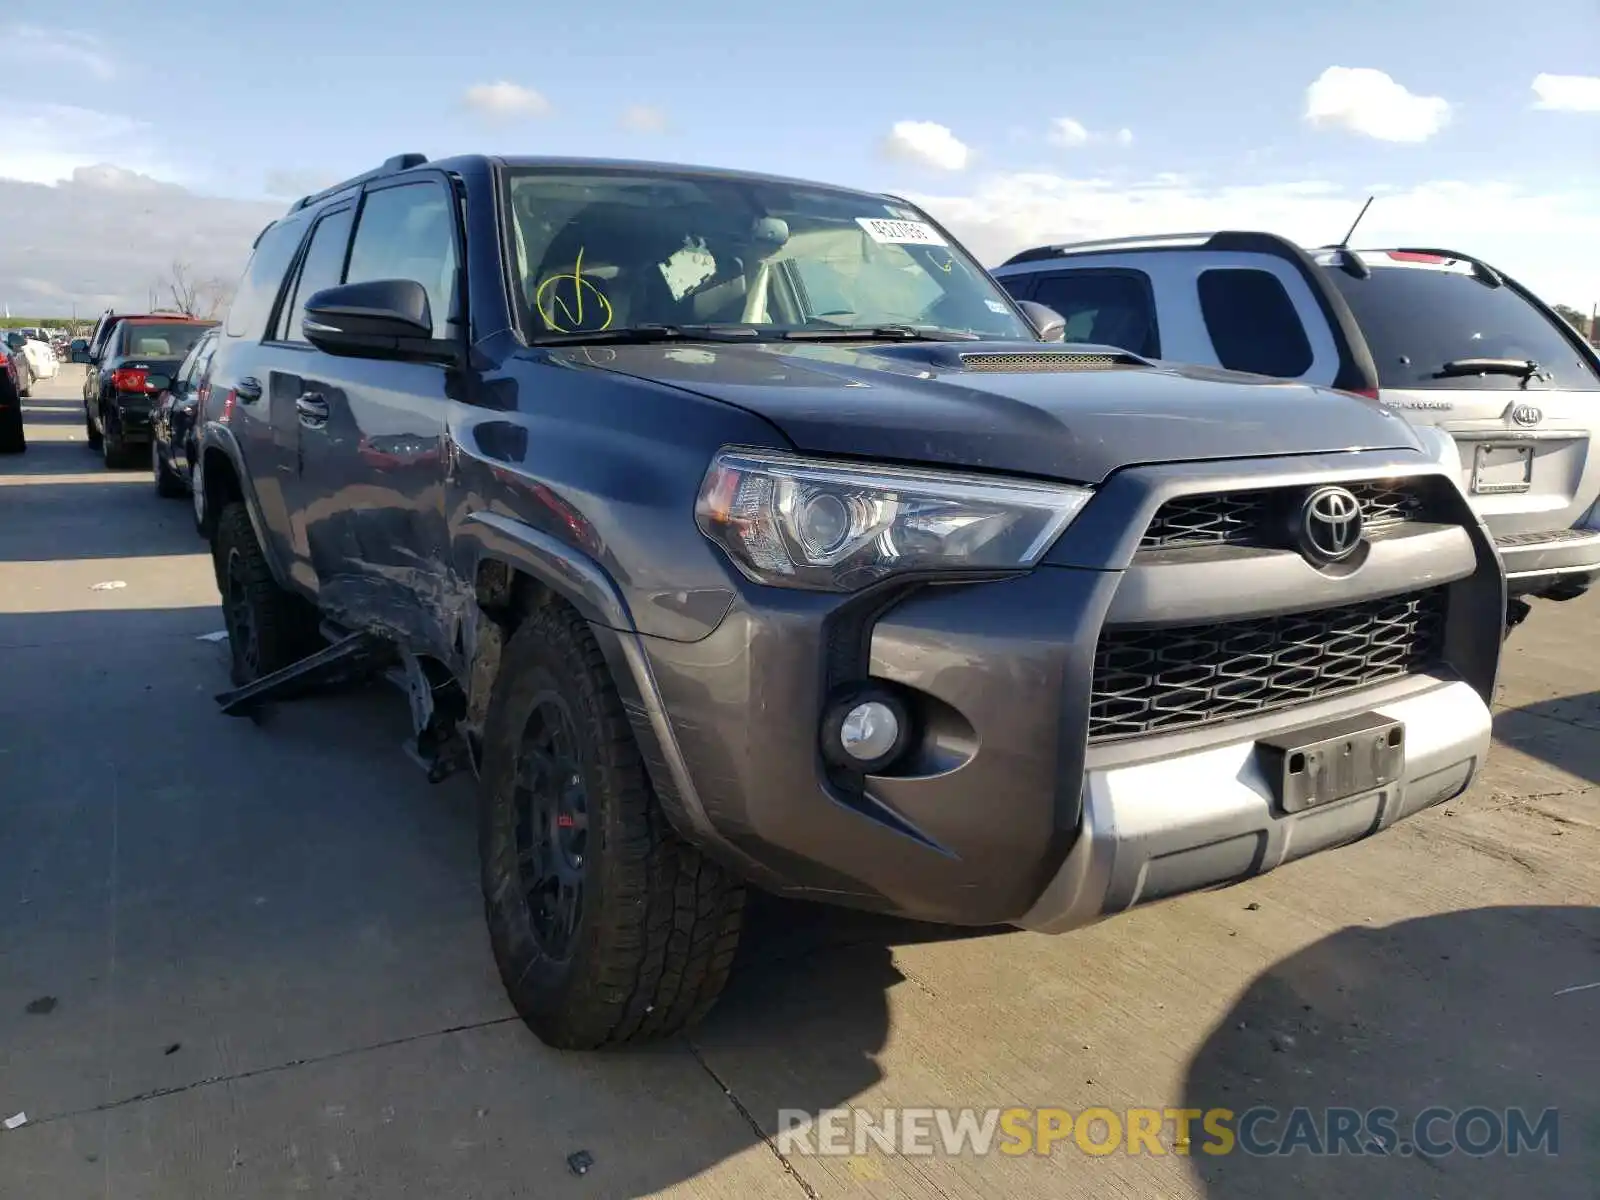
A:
[1418,318]
[605,250]
[153,340]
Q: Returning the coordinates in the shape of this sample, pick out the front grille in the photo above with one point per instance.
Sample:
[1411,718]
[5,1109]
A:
[1263,517]
[1050,360]
[1160,680]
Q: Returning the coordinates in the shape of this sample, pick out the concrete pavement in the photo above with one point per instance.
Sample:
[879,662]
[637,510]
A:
[250,961]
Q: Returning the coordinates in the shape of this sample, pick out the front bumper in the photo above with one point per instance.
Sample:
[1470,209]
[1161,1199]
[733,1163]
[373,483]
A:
[1177,822]
[1536,563]
[1006,811]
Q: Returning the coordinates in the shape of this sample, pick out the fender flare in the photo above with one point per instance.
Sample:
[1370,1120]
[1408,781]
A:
[589,588]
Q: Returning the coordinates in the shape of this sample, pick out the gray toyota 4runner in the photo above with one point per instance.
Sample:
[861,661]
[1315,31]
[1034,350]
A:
[742,531]
[1441,337]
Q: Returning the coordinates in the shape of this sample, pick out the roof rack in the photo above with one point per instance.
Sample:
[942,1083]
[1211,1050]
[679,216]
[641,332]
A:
[1225,239]
[400,162]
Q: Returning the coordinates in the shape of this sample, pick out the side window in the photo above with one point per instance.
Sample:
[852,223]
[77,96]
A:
[1253,323]
[322,267]
[408,232]
[258,290]
[1104,307]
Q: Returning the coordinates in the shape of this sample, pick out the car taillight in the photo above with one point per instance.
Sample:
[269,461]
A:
[1365,393]
[1416,256]
[129,379]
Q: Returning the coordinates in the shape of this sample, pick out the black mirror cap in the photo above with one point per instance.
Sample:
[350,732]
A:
[1050,325]
[377,316]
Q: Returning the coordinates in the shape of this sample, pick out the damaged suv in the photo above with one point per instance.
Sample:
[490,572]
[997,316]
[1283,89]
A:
[738,531]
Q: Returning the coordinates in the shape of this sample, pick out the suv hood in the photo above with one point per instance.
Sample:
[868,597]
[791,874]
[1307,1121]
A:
[926,402]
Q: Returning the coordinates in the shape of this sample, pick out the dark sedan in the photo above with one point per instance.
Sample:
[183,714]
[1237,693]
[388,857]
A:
[135,364]
[172,445]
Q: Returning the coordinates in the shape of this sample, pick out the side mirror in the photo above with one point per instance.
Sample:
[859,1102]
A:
[15,341]
[78,352]
[1050,325]
[381,318]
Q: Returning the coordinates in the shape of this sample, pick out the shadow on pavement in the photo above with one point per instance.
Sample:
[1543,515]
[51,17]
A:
[1460,1010]
[1564,732]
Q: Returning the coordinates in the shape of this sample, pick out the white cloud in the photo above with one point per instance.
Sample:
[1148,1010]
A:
[503,100]
[44,143]
[642,118]
[1064,131]
[1124,137]
[294,182]
[1567,93]
[1366,101]
[1549,241]
[25,43]
[105,233]
[927,143]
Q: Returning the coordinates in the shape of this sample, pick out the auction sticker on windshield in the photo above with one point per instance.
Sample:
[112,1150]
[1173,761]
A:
[900,233]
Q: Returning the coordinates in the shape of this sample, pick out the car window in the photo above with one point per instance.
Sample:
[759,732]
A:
[1253,323]
[597,250]
[263,277]
[152,339]
[408,232]
[322,267]
[1416,319]
[1105,307]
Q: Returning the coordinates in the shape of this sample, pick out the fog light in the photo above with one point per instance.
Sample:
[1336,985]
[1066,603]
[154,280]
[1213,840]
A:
[869,731]
[866,731]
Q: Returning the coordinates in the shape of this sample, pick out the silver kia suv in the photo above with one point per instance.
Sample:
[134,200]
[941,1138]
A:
[1439,336]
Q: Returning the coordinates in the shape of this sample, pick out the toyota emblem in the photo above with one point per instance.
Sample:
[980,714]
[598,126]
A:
[1527,414]
[1330,525]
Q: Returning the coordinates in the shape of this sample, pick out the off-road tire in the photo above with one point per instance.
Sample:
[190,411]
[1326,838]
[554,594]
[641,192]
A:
[168,485]
[658,922]
[282,626]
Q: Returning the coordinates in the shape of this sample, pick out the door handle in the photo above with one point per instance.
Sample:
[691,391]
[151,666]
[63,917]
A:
[313,410]
[248,390]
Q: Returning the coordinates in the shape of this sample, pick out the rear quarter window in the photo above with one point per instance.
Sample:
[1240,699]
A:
[1417,319]
[1106,307]
[263,277]
[1252,322]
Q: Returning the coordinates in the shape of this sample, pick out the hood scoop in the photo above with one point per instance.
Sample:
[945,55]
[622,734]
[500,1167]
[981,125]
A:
[1050,360]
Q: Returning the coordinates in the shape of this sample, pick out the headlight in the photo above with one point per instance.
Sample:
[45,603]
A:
[836,527]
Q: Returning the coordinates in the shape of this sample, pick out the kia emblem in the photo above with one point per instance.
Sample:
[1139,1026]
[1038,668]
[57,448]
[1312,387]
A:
[1527,414]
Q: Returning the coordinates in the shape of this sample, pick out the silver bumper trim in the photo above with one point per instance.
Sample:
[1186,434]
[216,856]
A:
[1162,827]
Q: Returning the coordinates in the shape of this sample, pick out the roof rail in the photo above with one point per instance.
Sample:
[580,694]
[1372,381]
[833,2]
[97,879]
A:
[1225,239]
[400,162]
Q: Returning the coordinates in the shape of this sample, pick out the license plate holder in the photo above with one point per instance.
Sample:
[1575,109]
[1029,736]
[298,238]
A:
[1499,470]
[1326,763]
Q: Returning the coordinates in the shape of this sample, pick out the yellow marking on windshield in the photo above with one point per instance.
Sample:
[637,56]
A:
[550,303]
[944,266]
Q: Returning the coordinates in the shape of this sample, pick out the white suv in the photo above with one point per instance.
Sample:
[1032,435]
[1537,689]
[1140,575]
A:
[1439,336]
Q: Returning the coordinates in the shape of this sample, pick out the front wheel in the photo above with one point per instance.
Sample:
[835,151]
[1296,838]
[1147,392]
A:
[606,926]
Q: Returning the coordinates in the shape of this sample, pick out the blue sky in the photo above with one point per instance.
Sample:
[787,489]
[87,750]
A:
[1213,98]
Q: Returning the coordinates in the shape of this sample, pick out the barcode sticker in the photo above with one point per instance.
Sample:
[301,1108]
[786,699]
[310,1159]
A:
[900,233]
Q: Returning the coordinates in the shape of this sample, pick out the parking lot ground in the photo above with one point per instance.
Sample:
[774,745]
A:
[249,960]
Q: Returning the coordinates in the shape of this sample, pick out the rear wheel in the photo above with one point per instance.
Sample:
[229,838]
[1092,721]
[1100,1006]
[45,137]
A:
[113,447]
[167,483]
[268,627]
[606,926]
[13,440]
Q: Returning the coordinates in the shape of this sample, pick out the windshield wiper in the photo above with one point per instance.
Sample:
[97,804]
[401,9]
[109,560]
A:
[641,335]
[877,333]
[1523,368]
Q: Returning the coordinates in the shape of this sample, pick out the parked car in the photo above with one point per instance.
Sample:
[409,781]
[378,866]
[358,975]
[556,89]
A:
[42,363]
[172,433]
[22,373]
[13,371]
[130,360]
[743,531]
[1436,335]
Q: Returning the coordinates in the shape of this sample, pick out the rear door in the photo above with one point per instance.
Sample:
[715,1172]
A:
[1524,439]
